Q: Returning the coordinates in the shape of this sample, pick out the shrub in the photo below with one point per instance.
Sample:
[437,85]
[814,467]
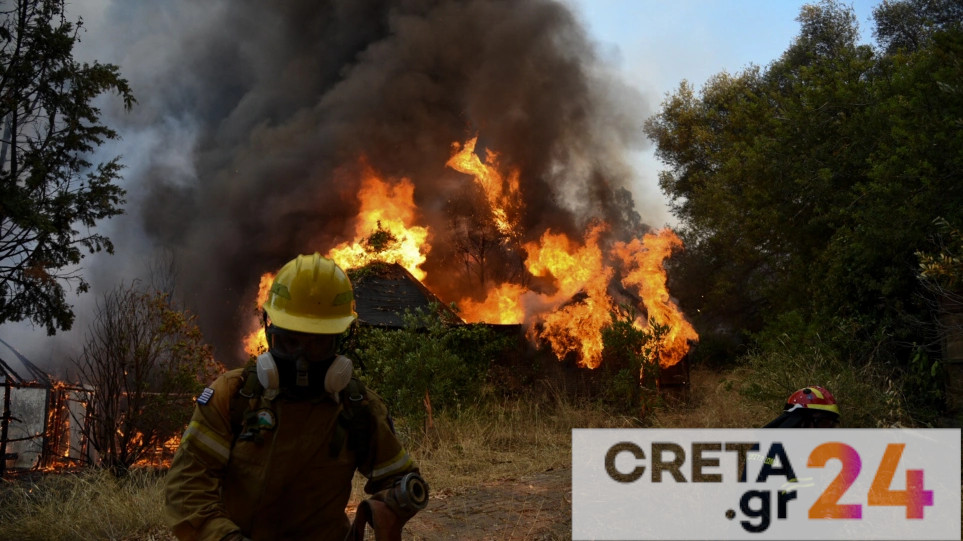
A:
[869,394]
[447,362]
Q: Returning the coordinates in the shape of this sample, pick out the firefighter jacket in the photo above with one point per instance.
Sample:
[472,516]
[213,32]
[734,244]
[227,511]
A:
[286,475]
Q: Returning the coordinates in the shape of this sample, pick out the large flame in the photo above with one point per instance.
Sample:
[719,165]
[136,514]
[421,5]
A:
[385,230]
[502,305]
[576,268]
[569,325]
[501,191]
[255,343]
[577,306]
[643,261]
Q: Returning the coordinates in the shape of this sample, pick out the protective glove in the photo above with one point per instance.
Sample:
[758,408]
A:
[388,510]
[384,522]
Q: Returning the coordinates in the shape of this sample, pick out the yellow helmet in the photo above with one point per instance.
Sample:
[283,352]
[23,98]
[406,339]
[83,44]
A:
[313,295]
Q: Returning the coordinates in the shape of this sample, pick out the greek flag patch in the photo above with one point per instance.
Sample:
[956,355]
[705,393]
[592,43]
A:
[205,396]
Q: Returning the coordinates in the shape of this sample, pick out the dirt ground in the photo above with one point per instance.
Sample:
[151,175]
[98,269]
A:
[536,508]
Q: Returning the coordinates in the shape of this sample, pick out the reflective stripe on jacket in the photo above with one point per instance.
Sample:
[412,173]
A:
[283,485]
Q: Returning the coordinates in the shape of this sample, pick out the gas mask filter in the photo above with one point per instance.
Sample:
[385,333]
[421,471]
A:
[336,377]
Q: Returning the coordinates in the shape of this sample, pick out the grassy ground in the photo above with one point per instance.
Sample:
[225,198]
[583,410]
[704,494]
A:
[492,443]
[90,504]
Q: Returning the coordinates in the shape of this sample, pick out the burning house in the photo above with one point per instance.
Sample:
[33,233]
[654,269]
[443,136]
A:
[561,291]
[484,146]
[42,419]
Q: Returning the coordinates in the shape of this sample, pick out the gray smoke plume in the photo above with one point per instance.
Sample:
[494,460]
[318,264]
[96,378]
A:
[254,119]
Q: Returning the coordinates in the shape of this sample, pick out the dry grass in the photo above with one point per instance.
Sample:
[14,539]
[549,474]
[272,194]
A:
[715,402]
[503,441]
[85,505]
[493,442]
[489,443]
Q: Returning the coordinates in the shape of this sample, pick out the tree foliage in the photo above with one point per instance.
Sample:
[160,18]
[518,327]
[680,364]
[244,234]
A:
[144,361]
[805,188]
[945,267]
[910,24]
[51,195]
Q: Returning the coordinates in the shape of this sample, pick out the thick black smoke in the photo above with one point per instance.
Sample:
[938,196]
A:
[278,103]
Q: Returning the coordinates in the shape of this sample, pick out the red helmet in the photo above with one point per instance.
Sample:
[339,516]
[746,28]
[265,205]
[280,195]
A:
[814,398]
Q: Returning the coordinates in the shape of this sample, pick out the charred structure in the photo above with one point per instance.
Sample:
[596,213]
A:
[42,419]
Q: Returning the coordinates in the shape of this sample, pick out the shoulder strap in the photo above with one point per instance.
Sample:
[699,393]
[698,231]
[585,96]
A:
[249,391]
[355,422]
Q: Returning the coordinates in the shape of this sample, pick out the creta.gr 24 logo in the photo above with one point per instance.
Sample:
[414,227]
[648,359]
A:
[766,484]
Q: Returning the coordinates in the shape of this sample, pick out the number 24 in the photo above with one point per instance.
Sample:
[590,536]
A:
[914,497]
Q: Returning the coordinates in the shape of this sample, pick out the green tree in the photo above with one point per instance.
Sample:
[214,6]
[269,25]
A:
[909,25]
[804,189]
[51,196]
[755,173]
[911,176]
[144,361]
[630,363]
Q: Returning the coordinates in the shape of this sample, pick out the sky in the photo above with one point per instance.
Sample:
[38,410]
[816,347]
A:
[651,45]
[656,44]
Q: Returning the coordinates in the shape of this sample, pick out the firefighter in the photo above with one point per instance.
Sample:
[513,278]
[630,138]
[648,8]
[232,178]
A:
[809,407]
[271,448]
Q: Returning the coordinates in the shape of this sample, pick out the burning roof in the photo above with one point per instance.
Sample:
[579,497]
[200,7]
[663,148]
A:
[10,375]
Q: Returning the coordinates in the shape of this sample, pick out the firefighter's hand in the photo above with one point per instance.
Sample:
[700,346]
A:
[386,523]
[235,536]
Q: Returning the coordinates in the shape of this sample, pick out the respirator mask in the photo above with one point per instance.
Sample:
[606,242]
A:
[302,364]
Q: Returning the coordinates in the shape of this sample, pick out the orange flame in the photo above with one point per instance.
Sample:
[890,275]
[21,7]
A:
[581,271]
[578,269]
[384,230]
[502,193]
[502,305]
[255,343]
[161,455]
[574,326]
[643,262]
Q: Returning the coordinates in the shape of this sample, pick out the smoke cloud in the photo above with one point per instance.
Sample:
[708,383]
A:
[254,120]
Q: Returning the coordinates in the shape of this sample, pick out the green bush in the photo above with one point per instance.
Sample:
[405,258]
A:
[869,394]
[858,355]
[447,361]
